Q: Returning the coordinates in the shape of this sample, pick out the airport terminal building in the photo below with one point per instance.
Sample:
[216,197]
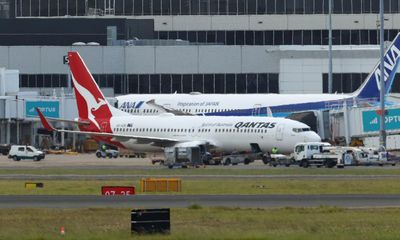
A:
[208,46]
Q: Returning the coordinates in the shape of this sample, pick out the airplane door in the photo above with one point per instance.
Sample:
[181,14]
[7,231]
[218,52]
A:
[256,110]
[279,132]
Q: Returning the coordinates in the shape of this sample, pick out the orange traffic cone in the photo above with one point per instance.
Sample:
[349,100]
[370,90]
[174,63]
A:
[62,231]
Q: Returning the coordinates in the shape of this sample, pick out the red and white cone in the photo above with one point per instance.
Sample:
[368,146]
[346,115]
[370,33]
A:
[62,231]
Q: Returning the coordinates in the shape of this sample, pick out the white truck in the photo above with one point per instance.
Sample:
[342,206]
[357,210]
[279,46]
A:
[323,154]
[353,156]
[314,154]
[18,152]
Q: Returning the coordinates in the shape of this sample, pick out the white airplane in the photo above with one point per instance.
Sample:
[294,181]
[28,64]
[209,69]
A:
[263,104]
[105,123]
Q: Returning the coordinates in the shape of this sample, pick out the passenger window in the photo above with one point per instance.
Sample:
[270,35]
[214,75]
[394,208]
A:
[29,149]
[21,149]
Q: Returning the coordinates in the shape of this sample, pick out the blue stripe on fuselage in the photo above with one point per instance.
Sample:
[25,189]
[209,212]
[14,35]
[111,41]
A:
[284,110]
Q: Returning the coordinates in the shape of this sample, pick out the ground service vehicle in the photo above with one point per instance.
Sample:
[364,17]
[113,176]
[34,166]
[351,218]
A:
[277,159]
[353,156]
[4,149]
[110,153]
[313,153]
[18,152]
[236,158]
[183,156]
[322,154]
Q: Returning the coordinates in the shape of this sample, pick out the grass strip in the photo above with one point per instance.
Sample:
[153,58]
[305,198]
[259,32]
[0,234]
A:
[206,223]
[214,186]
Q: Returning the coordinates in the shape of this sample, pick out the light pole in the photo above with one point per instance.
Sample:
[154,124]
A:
[382,132]
[330,49]
[17,118]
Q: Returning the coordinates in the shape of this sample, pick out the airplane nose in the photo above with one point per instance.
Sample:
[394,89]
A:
[312,137]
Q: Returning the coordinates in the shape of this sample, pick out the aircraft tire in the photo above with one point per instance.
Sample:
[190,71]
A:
[227,162]
[304,163]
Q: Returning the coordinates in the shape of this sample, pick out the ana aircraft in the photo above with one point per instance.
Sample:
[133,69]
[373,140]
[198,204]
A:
[263,104]
[105,123]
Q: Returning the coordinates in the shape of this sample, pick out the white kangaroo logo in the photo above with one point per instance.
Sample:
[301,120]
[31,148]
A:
[91,102]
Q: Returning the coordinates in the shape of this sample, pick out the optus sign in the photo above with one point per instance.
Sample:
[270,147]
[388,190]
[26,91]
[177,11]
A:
[48,108]
[372,120]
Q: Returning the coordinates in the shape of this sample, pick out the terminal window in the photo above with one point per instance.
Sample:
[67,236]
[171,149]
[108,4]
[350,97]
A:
[279,37]
[166,83]
[26,8]
[349,82]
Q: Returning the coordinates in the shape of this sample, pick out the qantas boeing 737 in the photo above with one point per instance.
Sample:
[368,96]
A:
[105,123]
[262,104]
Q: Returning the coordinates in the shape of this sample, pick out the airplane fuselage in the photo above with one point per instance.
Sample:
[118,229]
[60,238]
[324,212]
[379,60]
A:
[232,104]
[223,133]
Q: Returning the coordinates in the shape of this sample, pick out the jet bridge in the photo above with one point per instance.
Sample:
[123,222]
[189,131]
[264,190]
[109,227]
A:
[318,120]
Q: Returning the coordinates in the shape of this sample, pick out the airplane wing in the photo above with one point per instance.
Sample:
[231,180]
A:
[167,109]
[68,121]
[140,139]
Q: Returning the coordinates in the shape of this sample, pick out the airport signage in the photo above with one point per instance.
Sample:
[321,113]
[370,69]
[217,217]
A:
[117,190]
[48,108]
[372,121]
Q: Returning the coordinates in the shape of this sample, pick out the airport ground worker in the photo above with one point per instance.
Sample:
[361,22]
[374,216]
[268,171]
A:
[274,150]
[103,147]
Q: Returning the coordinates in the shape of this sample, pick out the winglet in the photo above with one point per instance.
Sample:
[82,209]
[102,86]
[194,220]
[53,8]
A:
[44,121]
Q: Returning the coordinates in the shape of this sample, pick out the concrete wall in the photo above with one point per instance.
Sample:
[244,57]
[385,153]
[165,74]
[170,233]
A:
[270,22]
[306,73]
[9,81]
[143,59]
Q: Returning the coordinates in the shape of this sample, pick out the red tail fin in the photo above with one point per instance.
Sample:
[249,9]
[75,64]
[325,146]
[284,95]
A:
[92,105]
[44,121]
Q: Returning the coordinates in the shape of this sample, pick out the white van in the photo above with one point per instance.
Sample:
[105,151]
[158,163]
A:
[18,152]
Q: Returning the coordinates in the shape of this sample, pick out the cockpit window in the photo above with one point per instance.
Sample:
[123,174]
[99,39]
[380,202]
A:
[299,130]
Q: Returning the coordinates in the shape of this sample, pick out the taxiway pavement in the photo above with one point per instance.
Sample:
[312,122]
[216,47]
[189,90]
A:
[174,201]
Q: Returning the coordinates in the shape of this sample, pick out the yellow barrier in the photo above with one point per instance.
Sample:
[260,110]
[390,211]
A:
[161,185]
[33,185]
